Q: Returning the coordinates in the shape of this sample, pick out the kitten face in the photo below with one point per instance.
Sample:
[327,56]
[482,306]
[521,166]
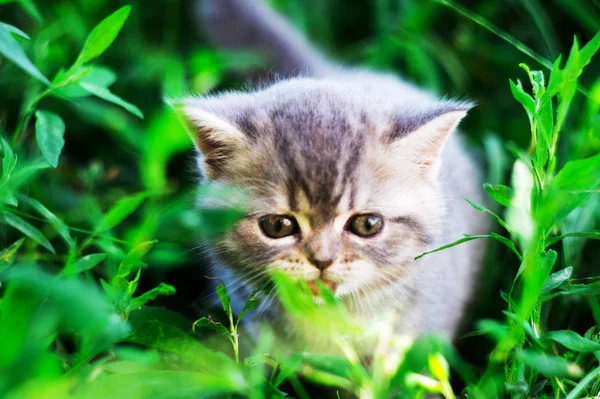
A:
[340,190]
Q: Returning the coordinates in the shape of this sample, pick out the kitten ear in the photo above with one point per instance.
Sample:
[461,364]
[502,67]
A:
[217,139]
[424,145]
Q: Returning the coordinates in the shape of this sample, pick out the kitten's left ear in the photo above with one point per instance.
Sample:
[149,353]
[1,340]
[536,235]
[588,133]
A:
[424,145]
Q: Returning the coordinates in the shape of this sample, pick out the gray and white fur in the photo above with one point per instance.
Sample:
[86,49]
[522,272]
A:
[324,143]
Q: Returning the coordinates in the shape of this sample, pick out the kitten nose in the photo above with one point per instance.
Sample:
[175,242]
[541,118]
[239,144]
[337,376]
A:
[321,251]
[321,264]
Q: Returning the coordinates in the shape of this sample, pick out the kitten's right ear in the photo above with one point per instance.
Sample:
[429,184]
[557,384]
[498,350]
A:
[216,138]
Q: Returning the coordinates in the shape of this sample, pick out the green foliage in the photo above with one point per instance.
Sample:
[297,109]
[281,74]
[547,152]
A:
[49,132]
[96,207]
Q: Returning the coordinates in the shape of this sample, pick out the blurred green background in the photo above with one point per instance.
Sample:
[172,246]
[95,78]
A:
[161,53]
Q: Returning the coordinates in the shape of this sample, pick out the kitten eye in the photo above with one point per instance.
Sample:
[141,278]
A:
[278,226]
[366,225]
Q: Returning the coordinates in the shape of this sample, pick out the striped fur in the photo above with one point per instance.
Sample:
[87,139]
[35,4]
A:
[330,144]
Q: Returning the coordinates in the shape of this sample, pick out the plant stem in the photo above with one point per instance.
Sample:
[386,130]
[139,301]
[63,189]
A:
[575,393]
[24,120]
[234,334]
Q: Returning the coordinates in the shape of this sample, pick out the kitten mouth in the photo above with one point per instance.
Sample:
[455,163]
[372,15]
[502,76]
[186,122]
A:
[327,283]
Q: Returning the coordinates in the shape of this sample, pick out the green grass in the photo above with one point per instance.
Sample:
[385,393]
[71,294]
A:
[97,272]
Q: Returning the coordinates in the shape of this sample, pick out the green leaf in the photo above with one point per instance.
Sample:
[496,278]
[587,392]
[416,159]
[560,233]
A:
[439,366]
[168,338]
[288,367]
[131,285]
[49,133]
[537,81]
[541,119]
[501,193]
[569,189]
[8,254]
[588,51]
[164,384]
[493,328]
[115,294]
[103,35]
[134,257]
[252,303]
[580,289]
[594,234]
[557,279]
[332,364]
[26,171]
[224,298]
[58,224]
[123,208]
[162,290]
[12,50]
[84,264]
[39,305]
[549,366]
[573,341]
[105,94]
[27,229]
[9,161]
[494,236]
[97,75]
[31,9]
[525,99]
[213,325]
[484,209]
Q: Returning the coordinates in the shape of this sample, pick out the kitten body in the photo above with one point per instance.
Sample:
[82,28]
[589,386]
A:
[322,145]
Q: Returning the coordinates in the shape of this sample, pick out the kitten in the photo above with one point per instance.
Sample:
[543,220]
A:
[351,173]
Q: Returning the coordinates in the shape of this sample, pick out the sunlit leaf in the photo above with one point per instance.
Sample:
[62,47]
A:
[439,367]
[501,193]
[103,35]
